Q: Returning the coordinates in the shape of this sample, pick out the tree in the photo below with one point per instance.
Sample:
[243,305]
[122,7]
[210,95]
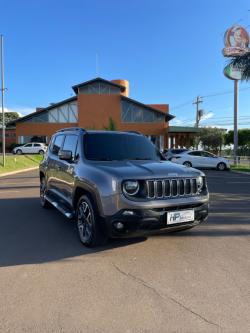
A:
[211,138]
[111,125]
[242,63]
[9,116]
[243,138]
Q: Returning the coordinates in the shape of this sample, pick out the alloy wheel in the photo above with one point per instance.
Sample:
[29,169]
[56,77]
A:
[84,222]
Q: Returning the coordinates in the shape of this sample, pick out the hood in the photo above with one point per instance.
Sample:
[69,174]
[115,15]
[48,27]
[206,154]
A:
[146,169]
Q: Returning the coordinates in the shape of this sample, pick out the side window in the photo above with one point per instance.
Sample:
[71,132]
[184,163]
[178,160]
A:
[37,145]
[195,153]
[57,144]
[205,154]
[70,143]
[28,145]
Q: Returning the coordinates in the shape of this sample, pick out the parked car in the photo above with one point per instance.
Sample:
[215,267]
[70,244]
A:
[117,184]
[170,153]
[31,148]
[201,159]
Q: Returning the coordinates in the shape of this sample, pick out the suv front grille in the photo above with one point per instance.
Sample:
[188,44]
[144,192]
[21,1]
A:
[171,188]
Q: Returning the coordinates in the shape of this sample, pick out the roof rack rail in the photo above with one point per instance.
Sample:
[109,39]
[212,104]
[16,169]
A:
[134,132]
[71,129]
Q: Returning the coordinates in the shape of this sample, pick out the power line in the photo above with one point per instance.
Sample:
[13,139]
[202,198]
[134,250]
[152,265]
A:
[227,92]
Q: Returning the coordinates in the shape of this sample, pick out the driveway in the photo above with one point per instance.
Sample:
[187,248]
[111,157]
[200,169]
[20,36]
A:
[192,281]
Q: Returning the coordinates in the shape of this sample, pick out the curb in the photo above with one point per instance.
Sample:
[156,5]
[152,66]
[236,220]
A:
[18,171]
[241,172]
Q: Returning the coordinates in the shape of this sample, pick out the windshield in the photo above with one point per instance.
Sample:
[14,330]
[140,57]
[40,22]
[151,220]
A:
[109,146]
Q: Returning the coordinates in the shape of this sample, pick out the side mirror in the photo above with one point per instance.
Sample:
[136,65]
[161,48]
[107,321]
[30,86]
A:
[65,155]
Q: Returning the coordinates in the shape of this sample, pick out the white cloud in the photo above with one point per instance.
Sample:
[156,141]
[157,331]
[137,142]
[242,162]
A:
[181,122]
[21,110]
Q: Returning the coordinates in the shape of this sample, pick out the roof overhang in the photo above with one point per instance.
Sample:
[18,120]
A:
[168,116]
[98,79]
[183,129]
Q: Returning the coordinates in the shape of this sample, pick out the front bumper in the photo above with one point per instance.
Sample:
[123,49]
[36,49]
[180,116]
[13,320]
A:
[144,221]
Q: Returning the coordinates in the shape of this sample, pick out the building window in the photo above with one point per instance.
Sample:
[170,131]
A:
[99,88]
[133,113]
[66,113]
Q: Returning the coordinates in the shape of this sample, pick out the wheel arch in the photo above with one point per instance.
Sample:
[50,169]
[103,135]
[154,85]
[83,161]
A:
[96,201]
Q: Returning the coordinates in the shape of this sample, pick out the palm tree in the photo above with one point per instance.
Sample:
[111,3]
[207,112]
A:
[243,63]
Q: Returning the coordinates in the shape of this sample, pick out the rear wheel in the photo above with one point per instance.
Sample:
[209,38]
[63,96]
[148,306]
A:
[221,166]
[88,223]
[19,152]
[187,164]
[44,202]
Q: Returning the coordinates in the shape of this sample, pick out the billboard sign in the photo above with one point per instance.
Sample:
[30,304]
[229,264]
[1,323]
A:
[236,40]
[232,73]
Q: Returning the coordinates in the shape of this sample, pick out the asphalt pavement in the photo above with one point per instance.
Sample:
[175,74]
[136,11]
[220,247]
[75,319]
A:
[192,281]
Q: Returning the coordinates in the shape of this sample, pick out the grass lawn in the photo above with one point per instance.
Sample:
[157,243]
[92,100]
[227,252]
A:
[244,168]
[19,162]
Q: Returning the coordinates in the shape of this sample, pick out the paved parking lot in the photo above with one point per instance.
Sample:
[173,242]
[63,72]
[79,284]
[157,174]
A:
[192,281]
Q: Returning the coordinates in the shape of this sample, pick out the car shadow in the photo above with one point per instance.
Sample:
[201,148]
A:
[30,234]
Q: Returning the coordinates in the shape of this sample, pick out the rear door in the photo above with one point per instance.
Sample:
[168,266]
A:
[68,167]
[195,158]
[37,148]
[54,165]
[210,160]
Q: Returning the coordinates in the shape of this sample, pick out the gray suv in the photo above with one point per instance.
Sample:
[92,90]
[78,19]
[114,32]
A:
[117,184]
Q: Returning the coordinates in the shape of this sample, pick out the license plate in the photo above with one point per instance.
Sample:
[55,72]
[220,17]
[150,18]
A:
[180,216]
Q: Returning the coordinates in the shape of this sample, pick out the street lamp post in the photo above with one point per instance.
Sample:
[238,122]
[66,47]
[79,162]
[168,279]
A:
[2,102]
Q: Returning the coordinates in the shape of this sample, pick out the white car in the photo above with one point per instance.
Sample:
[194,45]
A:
[31,148]
[201,159]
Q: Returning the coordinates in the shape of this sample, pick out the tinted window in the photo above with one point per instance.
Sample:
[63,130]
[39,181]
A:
[28,145]
[108,146]
[70,143]
[37,145]
[57,144]
[195,153]
[206,154]
[178,151]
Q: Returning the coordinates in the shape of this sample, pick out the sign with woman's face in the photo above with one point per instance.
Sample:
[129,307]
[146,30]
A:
[236,41]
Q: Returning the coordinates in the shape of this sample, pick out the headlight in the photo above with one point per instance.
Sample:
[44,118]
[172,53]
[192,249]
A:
[200,183]
[131,187]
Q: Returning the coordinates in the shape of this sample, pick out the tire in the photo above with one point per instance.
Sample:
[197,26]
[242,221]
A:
[43,201]
[41,152]
[88,223]
[19,152]
[221,166]
[187,164]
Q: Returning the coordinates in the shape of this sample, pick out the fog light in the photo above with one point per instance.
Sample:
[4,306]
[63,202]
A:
[128,212]
[119,225]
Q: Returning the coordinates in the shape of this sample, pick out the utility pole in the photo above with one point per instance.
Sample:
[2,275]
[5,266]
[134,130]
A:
[2,101]
[197,101]
[236,93]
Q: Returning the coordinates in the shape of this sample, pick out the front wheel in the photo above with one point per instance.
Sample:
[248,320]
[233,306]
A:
[221,166]
[187,164]
[88,223]
[41,152]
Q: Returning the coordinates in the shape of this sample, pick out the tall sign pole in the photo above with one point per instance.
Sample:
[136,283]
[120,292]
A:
[2,102]
[236,93]
[236,40]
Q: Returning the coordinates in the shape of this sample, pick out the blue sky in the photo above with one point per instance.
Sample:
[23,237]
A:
[170,51]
